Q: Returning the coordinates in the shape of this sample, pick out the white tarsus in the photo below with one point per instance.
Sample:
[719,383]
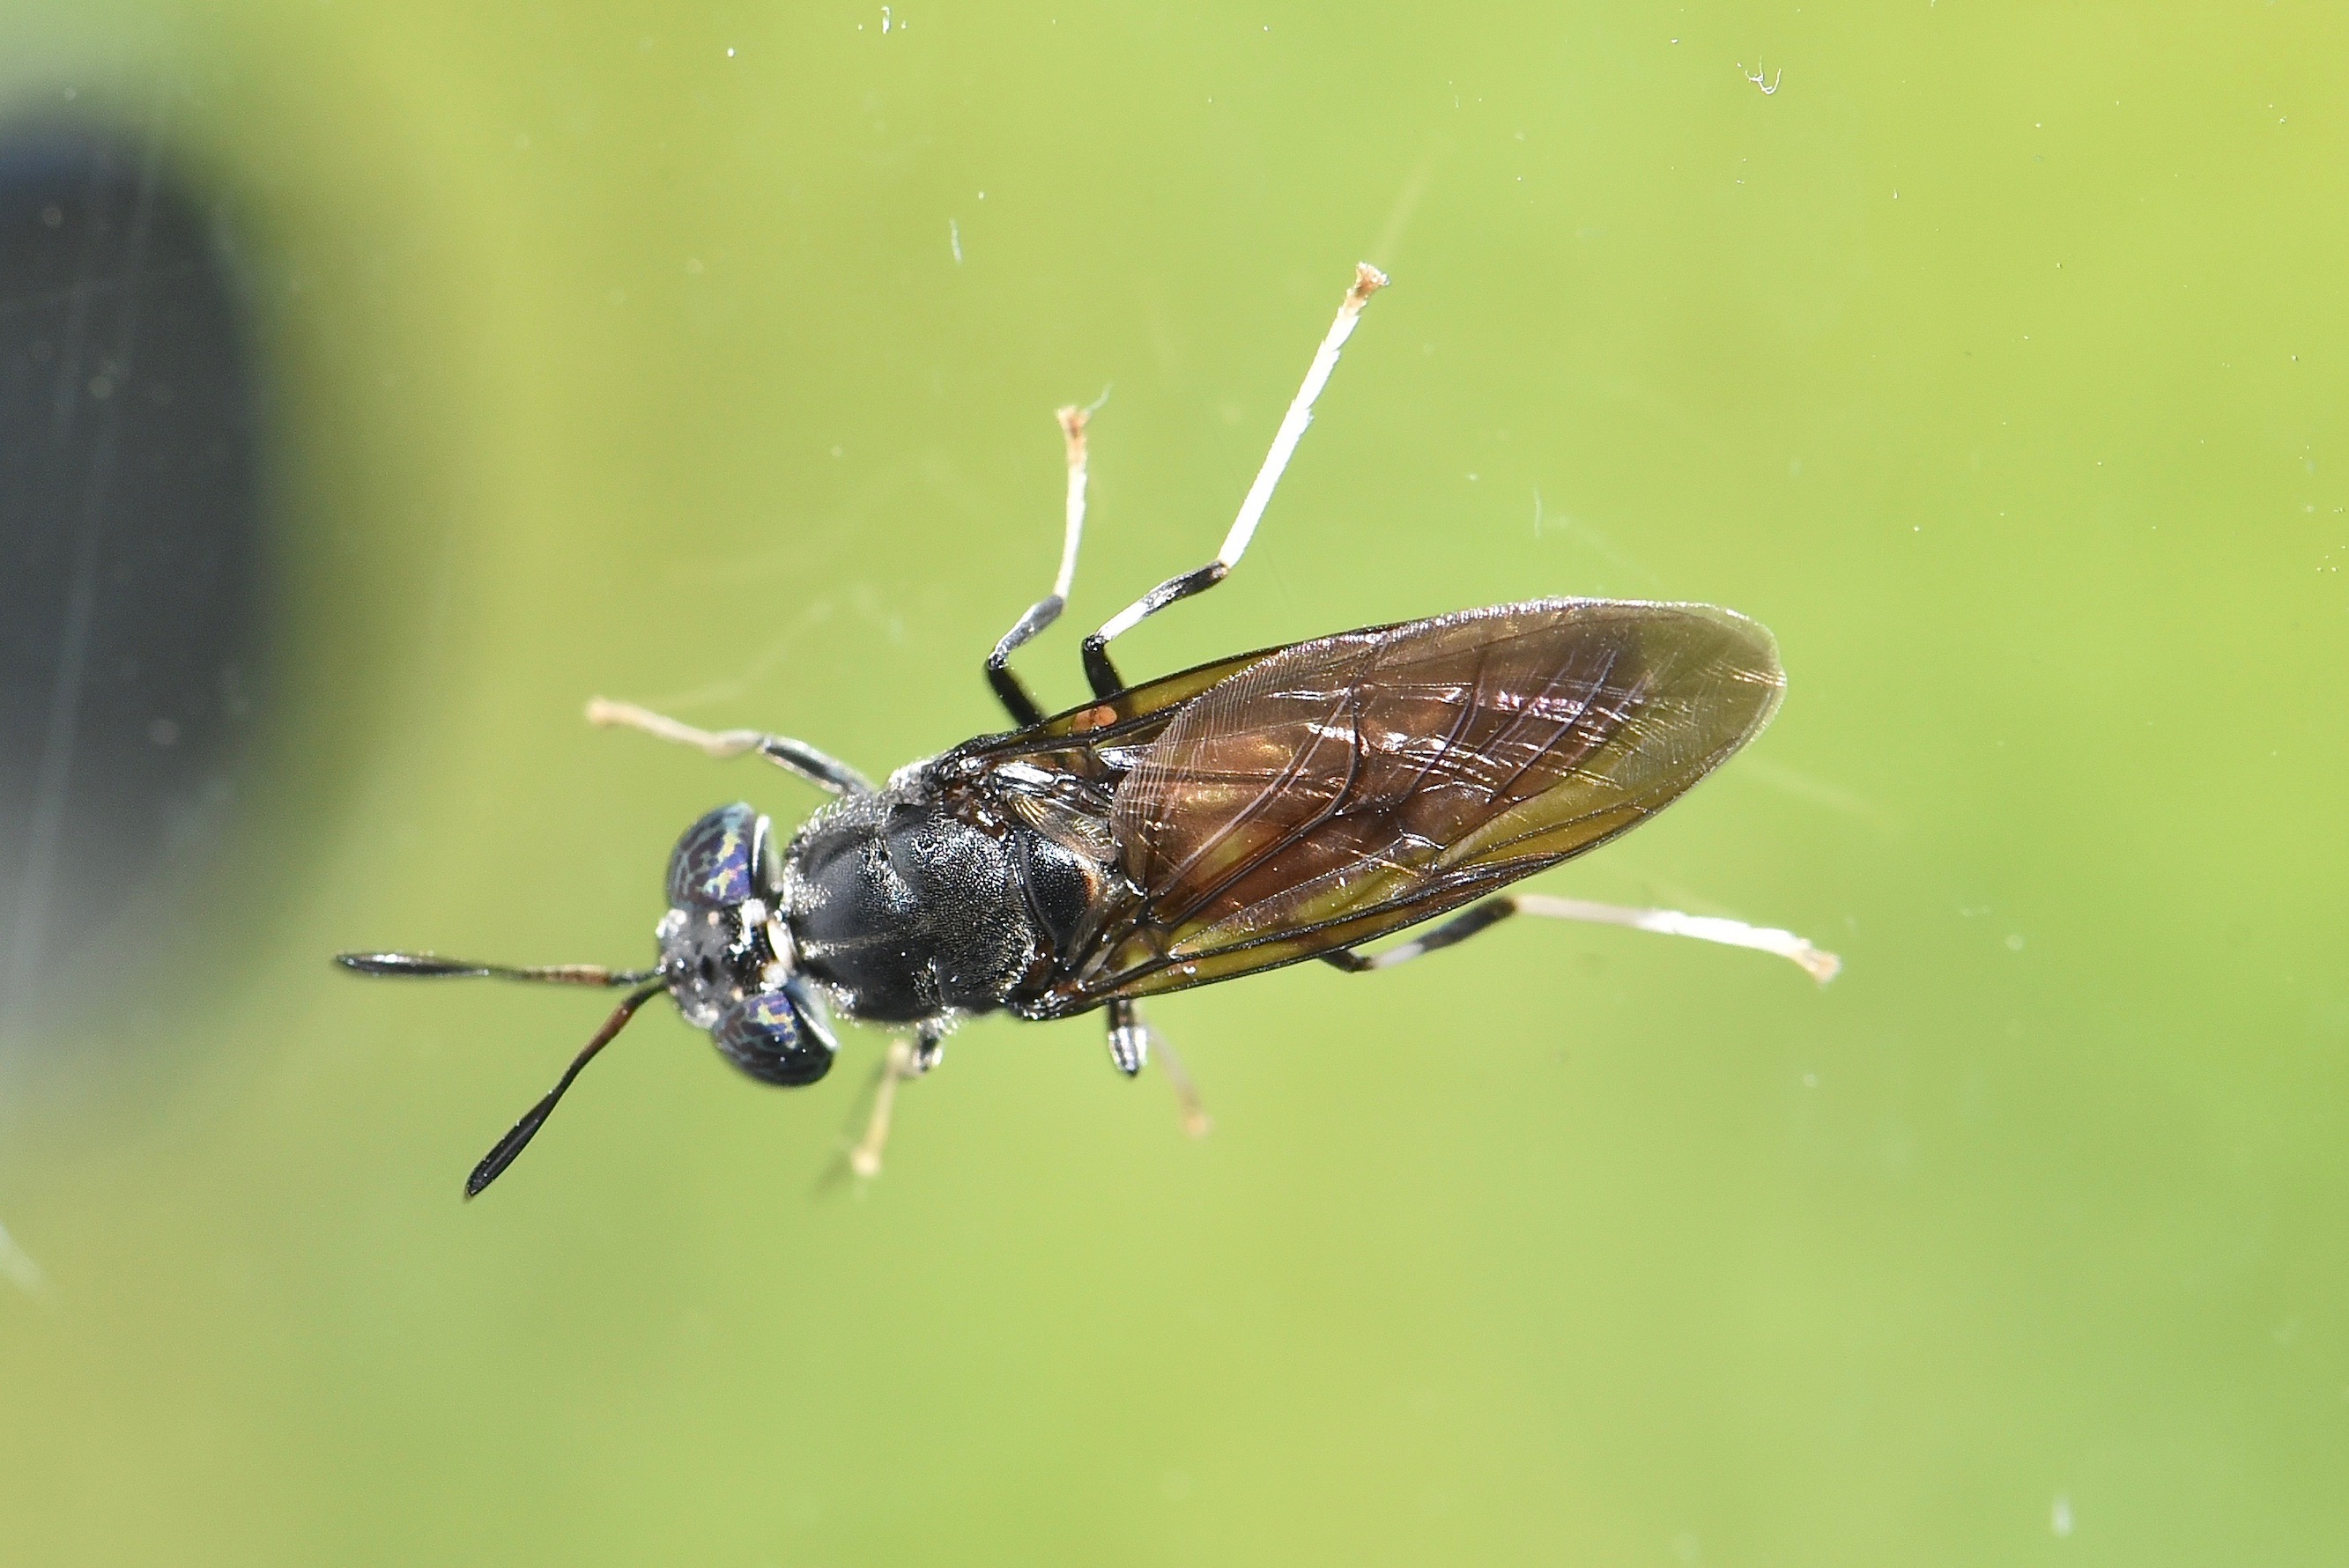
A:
[864,1160]
[1368,281]
[1196,1122]
[1072,431]
[1817,963]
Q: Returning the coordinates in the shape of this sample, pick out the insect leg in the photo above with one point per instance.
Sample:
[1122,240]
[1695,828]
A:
[793,756]
[1459,928]
[1196,1122]
[1818,964]
[906,1059]
[1010,690]
[1131,1041]
[1368,281]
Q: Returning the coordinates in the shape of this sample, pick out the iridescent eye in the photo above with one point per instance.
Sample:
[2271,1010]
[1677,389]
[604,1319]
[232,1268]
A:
[715,864]
[768,1037]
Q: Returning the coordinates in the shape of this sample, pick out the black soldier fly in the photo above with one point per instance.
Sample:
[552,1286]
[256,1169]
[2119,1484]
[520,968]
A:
[1291,803]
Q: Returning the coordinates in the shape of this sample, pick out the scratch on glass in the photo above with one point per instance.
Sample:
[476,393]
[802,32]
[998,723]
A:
[18,1265]
[54,775]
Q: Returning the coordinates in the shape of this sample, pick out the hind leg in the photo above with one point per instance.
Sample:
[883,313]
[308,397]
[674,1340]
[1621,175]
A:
[1106,682]
[1818,964]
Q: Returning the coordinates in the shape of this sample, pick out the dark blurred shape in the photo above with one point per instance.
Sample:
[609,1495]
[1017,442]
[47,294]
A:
[131,556]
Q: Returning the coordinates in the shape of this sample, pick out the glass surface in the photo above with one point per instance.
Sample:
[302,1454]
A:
[133,616]
[1992,356]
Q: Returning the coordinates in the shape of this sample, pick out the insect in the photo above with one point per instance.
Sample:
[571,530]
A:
[1292,803]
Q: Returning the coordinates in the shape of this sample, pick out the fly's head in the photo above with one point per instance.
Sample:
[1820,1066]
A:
[726,952]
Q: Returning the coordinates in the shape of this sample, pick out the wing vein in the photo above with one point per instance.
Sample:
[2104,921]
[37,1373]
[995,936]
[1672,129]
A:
[1327,793]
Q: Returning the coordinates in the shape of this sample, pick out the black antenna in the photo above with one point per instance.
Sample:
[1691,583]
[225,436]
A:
[432,966]
[495,1161]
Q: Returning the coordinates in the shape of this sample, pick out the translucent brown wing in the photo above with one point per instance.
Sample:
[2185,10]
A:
[1102,741]
[1320,795]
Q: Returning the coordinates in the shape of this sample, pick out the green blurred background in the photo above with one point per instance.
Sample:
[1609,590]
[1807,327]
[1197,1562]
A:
[706,357]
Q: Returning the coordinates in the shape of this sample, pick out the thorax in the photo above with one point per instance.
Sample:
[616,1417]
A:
[946,892]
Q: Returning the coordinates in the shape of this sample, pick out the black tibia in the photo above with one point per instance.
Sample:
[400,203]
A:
[1106,681]
[817,767]
[1129,1038]
[1010,690]
[1459,928]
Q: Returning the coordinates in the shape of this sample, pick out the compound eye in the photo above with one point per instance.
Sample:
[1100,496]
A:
[766,1038]
[715,864]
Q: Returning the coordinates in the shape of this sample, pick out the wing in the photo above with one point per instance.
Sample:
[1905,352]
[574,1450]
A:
[1105,738]
[1317,796]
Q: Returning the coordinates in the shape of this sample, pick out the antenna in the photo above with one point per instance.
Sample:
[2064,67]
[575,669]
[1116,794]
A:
[432,966]
[511,1145]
